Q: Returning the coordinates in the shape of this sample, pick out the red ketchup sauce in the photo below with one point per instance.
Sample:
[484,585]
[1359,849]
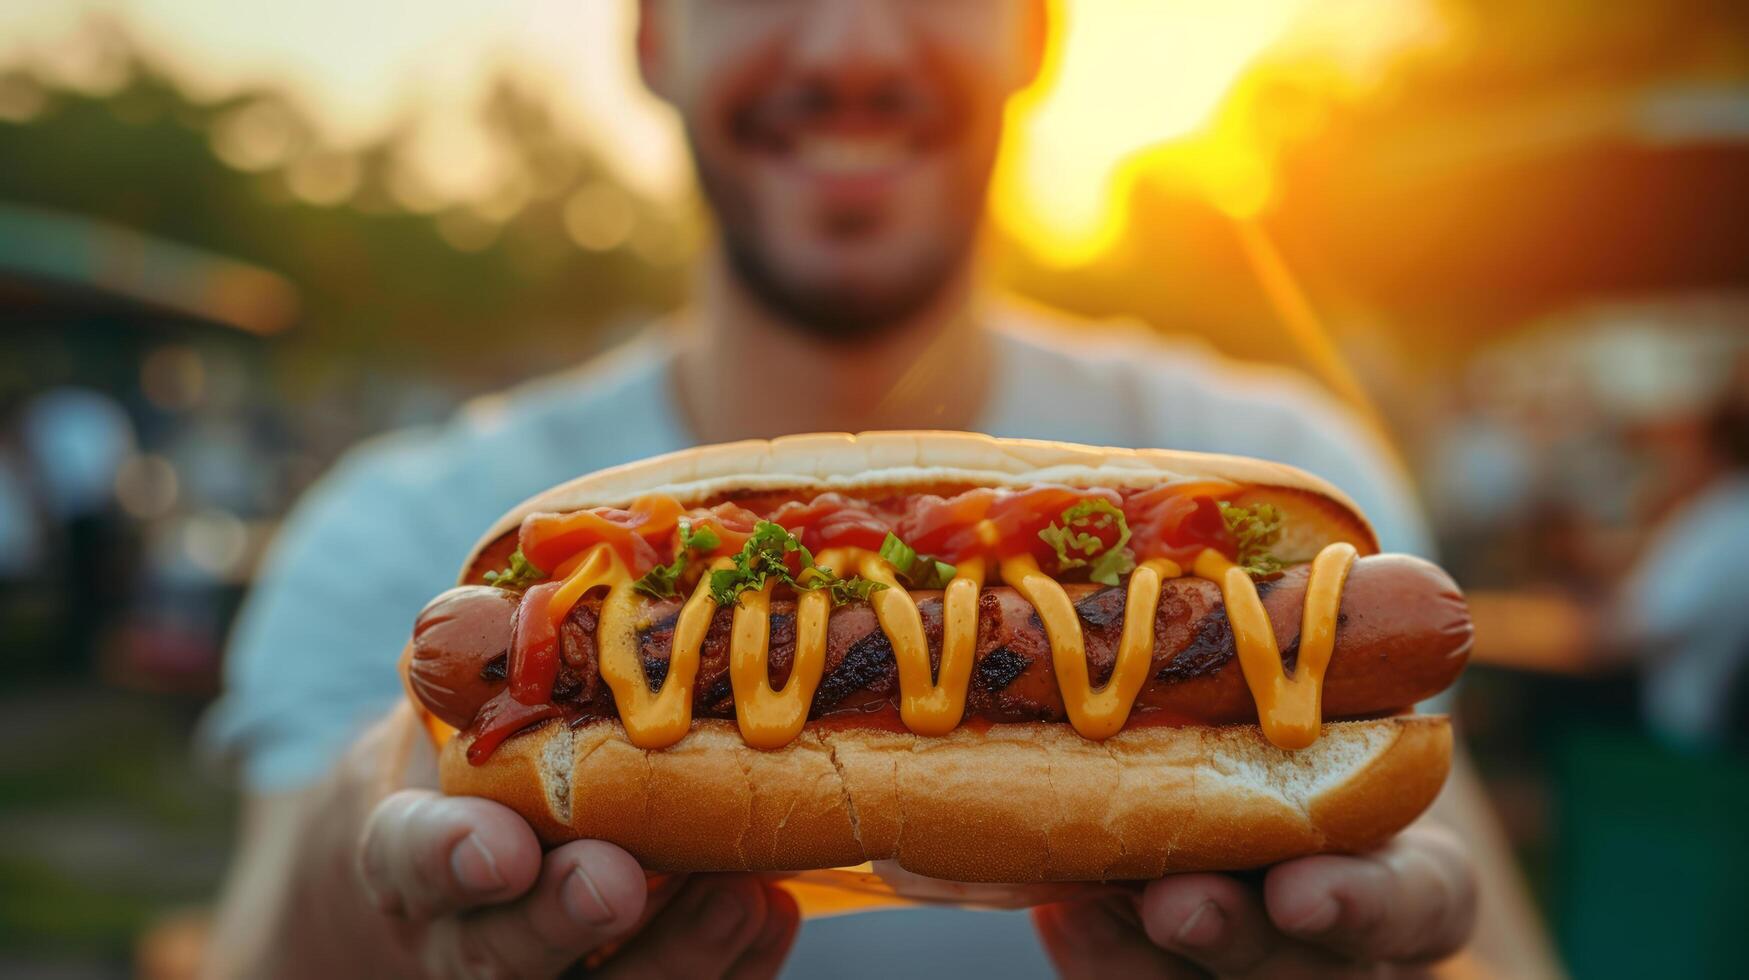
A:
[1165,522]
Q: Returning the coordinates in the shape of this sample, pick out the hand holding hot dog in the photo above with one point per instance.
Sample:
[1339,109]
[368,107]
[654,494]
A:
[408,882]
[1390,913]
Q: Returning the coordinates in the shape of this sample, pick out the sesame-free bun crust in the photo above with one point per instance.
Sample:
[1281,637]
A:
[1012,803]
[820,462]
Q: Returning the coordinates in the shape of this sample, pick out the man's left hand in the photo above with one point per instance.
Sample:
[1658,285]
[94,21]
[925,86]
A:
[1391,913]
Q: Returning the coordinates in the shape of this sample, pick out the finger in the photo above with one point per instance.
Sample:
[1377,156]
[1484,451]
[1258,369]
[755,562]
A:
[590,893]
[1102,937]
[702,933]
[1413,902]
[659,892]
[424,854]
[1216,921]
[765,957]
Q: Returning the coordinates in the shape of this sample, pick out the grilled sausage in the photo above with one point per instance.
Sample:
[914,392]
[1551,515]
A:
[1402,635]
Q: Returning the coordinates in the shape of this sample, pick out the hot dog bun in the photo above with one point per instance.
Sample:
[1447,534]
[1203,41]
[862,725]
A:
[1015,803]
[821,462]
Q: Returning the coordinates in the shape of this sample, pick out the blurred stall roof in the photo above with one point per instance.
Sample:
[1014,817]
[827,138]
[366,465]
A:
[1637,361]
[72,264]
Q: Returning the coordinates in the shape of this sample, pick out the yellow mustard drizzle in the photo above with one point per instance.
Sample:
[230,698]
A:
[771,719]
[652,721]
[1102,713]
[1095,714]
[929,704]
[600,565]
[1289,709]
[938,709]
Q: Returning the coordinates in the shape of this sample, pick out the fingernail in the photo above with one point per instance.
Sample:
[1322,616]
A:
[1204,927]
[722,914]
[1319,918]
[473,867]
[583,900]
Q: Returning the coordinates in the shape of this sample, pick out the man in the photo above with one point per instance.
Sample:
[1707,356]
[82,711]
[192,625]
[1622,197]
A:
[1678,611]
[845,147]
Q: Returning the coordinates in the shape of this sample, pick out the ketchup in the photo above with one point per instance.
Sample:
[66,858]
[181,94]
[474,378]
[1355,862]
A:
[534,653]
[500,718]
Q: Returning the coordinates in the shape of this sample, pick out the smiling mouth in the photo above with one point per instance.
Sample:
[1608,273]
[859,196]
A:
[832,154]
[830,136]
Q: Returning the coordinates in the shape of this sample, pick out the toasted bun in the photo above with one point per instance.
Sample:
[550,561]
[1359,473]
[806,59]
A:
[1013,803]
[840,461]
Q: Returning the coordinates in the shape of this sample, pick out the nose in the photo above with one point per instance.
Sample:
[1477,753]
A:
[851,44]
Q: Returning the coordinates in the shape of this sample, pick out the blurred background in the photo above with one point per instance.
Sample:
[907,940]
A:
[234,240]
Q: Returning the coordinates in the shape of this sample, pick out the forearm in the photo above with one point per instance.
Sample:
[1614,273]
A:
[291,905]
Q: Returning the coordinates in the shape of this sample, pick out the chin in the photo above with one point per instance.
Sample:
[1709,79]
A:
[849,299]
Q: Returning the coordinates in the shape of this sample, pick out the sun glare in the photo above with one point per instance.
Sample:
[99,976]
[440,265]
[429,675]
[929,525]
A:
[1133,86]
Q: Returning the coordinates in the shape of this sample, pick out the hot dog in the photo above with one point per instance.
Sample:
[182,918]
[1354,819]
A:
[935,647]
[1403,636]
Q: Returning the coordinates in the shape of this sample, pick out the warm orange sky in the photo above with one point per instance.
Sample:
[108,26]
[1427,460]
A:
[1125,75]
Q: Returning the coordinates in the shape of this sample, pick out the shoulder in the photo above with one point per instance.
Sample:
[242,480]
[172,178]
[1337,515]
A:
[499,448]
[1135,386]
[313,651]
[427,491]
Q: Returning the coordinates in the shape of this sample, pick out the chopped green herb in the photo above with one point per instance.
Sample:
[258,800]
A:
[1076,544]
[841,590]
[662,581]
[704,542]
[1255,530]
[915,570]
[765,557]
[520,574]
[852,589]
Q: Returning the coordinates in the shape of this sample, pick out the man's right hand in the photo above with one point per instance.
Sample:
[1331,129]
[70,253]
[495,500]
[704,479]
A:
[362,880]
[466,892]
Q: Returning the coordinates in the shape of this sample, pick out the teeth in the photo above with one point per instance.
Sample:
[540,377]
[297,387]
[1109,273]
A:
[842,155]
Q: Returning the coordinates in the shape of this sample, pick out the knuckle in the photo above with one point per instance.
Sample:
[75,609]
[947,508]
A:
[386,829]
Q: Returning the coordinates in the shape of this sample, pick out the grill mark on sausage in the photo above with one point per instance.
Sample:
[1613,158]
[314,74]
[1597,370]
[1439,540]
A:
[867,664]
[721,689]
[568,686]
[1102,609]
[1290,654]
[998,669]
[1211,647]
[1101,614]
[496,669]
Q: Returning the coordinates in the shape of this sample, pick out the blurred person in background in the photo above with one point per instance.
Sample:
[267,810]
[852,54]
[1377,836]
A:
[1681,614]
[844,146]
[1647,837]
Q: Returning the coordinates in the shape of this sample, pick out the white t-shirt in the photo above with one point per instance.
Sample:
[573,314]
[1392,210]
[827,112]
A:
[312,659]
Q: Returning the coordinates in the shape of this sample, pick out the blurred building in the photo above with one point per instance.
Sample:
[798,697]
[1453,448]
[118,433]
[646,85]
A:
[141,449]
